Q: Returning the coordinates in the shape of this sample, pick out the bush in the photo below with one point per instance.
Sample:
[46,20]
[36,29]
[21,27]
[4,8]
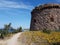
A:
[57,43]
[46,31]
[2,36]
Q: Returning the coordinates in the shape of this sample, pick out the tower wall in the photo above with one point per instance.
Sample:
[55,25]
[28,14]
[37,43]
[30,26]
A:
[45,16]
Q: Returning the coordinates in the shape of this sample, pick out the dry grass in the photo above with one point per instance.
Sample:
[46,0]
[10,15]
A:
[38,36]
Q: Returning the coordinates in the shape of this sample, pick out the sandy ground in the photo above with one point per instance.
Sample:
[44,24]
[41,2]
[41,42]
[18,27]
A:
[11,41]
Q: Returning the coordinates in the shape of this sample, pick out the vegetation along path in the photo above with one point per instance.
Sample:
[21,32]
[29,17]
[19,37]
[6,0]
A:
[11,41]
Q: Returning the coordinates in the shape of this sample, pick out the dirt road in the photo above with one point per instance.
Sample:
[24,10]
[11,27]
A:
[12,40]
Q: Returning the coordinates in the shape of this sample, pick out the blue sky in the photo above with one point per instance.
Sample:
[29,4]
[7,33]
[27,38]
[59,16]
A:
[18,12]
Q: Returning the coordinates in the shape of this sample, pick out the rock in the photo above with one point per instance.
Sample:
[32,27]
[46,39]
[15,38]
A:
[45,16]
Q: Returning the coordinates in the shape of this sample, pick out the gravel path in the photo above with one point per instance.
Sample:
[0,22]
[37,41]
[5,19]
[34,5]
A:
[11,41]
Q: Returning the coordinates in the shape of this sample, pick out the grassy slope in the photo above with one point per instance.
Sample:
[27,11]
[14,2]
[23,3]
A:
[39,37]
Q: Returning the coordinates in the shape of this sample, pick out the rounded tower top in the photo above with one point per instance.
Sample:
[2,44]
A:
[46,6]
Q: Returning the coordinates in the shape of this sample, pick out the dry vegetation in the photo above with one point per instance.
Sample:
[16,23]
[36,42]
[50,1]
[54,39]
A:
[39,38]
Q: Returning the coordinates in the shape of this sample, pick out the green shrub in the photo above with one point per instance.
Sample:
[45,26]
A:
[46,31]
[57,43]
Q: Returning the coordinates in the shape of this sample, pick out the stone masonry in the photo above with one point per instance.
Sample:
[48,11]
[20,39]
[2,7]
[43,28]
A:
[45,16]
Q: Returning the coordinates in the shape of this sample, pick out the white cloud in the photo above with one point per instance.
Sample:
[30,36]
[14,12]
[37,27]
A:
[10,4]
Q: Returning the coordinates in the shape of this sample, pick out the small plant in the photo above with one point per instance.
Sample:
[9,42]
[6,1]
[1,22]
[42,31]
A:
[46,31]
[57,43]
[2,36]
[19,29]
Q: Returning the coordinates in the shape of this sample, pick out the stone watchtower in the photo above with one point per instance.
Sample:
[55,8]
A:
[45,16]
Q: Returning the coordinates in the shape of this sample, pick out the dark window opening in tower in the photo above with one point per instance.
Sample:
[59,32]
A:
[52,19]
[59,27]
[34,20]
